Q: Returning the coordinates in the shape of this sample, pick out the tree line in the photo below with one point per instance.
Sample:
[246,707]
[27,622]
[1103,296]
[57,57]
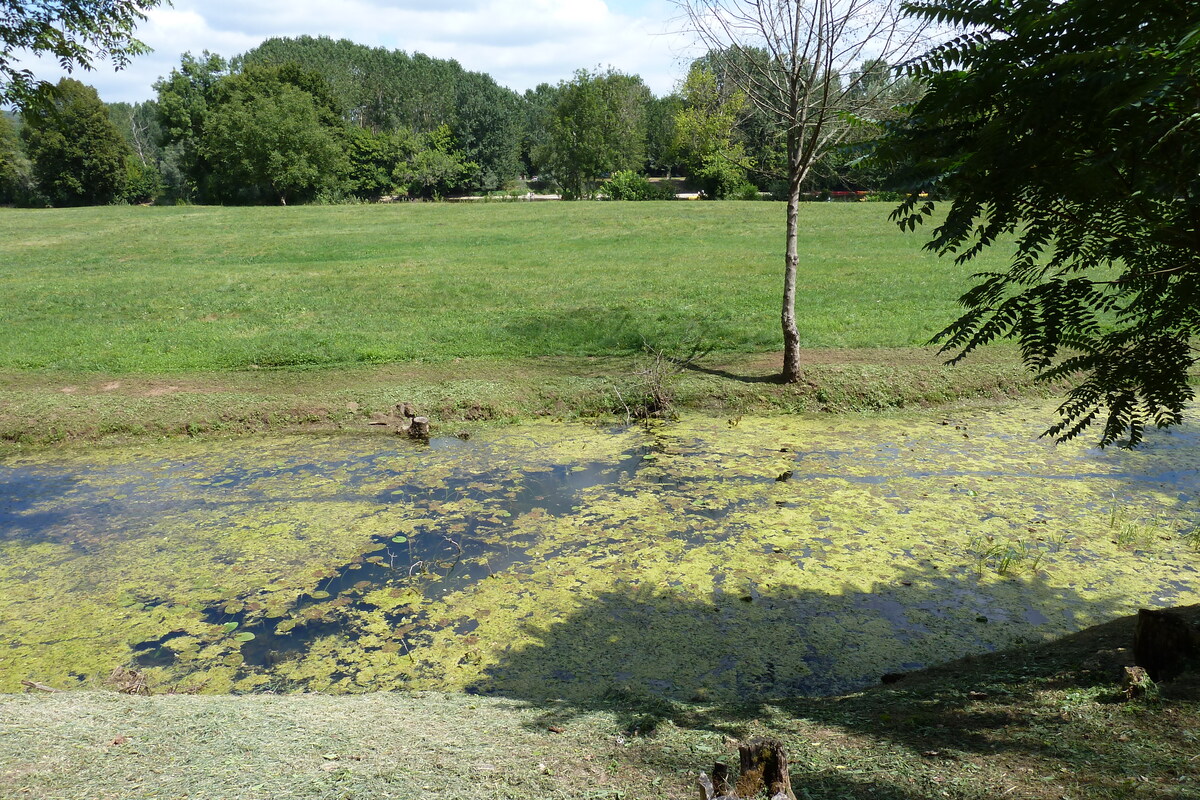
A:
[315,119]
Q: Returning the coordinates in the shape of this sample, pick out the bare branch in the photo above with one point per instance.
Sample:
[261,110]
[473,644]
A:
[800,61]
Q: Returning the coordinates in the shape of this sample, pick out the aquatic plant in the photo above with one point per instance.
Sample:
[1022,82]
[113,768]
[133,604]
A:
[562,560]
[1129,533]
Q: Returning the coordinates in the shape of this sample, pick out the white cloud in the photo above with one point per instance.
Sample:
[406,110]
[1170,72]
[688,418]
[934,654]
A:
[519,42]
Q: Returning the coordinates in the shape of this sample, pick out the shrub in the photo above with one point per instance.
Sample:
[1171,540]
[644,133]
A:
[143,182]
[662,191]
[627,185]
[747,191]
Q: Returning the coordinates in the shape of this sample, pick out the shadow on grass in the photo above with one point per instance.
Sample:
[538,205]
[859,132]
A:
[692,366]
[652,659]
[582,331]
[595,331]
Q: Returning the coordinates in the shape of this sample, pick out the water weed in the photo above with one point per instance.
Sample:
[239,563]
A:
[740,561]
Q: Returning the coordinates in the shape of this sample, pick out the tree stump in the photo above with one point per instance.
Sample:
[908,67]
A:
[764,766]
[716,786]
[1135,683]
[1165,644]
[419,429]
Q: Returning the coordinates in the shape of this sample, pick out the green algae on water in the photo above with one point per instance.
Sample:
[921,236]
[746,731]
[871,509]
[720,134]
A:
[691,559]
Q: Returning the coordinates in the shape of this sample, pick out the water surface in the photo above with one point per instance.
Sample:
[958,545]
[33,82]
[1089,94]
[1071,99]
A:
[696,559]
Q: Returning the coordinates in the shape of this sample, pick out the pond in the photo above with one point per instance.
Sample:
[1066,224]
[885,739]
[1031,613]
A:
[705,559]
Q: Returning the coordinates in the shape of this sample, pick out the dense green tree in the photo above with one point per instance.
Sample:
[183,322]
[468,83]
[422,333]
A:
[256,80]
[706,134]
[437,166]
[538,104]
[375,159]
[75,33]
[1071,127]
[597,126]
[184,100]
[268,132]
[427,165]
[270,145]
[487,126]
[760,133]
[424,95]
[79,156]
[15,178]
[662,152]
[349,74]
[387,91]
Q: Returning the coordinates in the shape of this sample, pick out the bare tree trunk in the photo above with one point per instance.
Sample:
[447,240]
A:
[801,63]
[791,334]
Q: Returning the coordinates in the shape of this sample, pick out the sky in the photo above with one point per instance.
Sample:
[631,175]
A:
[520,43]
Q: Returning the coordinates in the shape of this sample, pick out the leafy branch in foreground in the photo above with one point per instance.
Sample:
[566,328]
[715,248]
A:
[1071,129]
[75,33]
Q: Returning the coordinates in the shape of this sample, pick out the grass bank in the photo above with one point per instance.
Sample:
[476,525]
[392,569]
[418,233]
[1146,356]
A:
[165,321]
[38,408]
[1044,722]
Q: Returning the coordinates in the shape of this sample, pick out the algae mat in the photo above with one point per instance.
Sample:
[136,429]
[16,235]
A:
[701,559]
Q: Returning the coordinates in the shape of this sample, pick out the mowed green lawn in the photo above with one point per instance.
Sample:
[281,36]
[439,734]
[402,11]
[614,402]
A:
[155,290]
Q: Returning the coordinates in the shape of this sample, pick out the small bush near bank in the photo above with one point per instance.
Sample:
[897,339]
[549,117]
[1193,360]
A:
[336,196]
[628,185]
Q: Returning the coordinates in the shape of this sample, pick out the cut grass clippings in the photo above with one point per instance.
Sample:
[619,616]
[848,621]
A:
[1045,722]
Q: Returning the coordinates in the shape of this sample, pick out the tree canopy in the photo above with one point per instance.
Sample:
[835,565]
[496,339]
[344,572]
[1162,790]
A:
[79,155]
[705,128]
[390,124]
[270,144]
[389,90]
[14,167]
[596,126]
[76,33]
[1069,127]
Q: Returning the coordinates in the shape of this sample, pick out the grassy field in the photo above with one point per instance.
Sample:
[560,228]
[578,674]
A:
[167,290]
[133,321]
[1041,723]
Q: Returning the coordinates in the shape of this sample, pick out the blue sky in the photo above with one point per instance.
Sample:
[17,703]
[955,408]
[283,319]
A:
[519,42]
